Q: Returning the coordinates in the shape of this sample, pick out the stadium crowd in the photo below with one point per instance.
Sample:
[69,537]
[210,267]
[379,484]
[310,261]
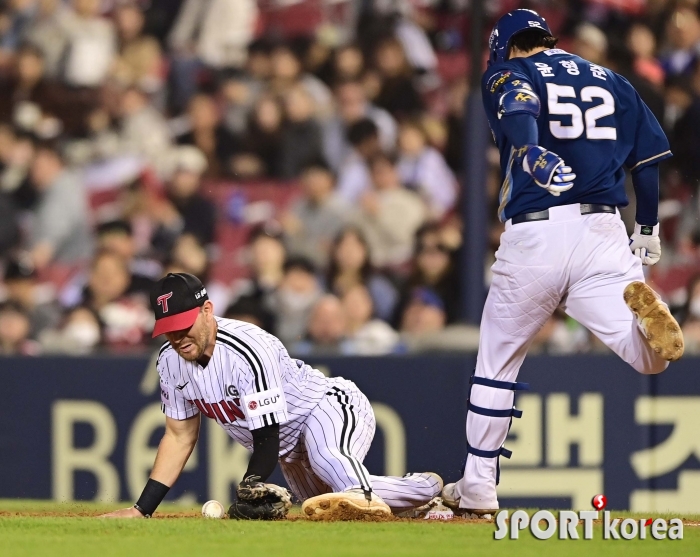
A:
[302,157]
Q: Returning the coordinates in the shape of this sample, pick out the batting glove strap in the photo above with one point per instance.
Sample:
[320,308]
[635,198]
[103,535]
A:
[548,170]
[646,244]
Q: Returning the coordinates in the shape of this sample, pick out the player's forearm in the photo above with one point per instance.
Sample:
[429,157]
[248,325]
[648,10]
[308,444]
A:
[173,453]
[266,446]
[646,190]
[520,129]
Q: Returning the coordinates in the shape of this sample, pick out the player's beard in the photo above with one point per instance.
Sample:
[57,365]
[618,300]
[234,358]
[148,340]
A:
[200,341]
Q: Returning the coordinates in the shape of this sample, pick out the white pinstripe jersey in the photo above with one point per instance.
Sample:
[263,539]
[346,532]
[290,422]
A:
[249,382]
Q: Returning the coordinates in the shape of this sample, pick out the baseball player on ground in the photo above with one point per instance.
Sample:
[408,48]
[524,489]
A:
[566,129]
[319,428]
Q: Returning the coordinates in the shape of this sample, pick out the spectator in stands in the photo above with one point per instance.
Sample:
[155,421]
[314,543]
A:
[17,16]
[188,255]
[424,314]
[118,236]
[61,230]
[690,317]
[261,147]
[108,281]
[126,315]
[348,63]
[301,134]
[185,209]
[353,106]
[454,148]
[248,310]
[35,300]
[213,34]
[327,328]
[239,93]
[92,44]
[209,135]
[14,331]
[435,267]
[287,73]
[14,166]
[16,155]
[423,169]
[40,105]
[25,84]
[398,94]
[683,115]
[683,35]
[266,254]
[389,215]
[642,44]
[80,334]
[590,43]
[353,176]
[366,334]
[9,229]
[294,298]
[47,32]
[139,62]
[143,130]
[259,63]
[313,221]
[350,266]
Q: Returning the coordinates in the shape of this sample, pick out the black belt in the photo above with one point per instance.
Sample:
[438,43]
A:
[586,209]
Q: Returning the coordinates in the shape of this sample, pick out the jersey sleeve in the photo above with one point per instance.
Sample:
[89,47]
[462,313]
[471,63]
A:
[262,393]
[173,403]
[650,143]
[496,81]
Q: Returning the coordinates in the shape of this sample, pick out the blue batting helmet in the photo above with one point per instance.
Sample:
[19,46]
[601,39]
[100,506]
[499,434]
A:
[510,25]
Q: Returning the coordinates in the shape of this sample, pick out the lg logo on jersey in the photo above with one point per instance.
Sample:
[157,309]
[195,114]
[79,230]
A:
[252,405]
[265,402]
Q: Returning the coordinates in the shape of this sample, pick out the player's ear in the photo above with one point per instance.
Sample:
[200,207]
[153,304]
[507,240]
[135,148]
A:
[208,309]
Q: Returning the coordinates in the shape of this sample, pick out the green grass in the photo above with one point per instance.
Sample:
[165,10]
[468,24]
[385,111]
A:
[36,528]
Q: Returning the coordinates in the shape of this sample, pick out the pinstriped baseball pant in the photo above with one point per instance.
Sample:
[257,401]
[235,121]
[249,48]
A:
[335,440]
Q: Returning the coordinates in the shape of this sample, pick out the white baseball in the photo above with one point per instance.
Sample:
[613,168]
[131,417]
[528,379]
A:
[213,509]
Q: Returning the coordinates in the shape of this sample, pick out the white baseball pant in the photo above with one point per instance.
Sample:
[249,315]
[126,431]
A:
[335,439]
[581,263]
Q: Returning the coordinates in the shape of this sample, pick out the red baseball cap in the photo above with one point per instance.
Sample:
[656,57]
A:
[175,300]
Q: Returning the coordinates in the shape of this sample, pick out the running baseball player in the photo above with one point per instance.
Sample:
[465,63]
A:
[566,129]
[319,428]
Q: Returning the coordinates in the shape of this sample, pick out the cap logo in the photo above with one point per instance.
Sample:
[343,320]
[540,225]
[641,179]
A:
[163,301]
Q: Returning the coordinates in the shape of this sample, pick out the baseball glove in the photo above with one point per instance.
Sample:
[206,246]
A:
[260,501]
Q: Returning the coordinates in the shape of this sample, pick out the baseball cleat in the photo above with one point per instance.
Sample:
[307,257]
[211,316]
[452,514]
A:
[662,331]
[346,505]
[451,500]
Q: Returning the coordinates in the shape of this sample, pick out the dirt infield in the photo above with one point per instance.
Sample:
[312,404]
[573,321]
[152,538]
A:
[88,510]
[92,513]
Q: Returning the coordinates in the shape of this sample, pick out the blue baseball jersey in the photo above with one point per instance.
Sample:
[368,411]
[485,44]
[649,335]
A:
[590,116]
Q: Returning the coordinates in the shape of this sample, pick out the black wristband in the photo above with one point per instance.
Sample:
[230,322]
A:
[151,496]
